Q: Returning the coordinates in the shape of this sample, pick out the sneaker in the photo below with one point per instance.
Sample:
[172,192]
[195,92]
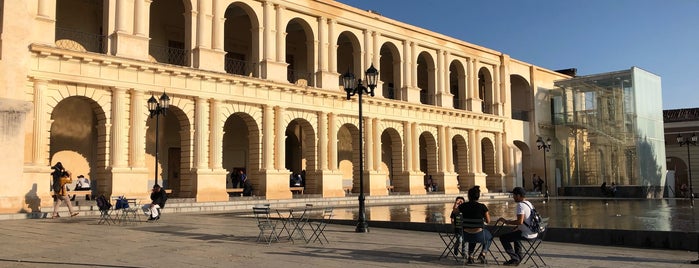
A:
[470,260]
[511,263]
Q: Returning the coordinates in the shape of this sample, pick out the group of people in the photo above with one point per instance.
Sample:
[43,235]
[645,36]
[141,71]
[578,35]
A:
[297,179]
[240,180]
[472,209]
[430,184]
[61,177]
[608,190]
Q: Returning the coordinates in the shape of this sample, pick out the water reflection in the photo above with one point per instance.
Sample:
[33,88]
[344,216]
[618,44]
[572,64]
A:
[646,214]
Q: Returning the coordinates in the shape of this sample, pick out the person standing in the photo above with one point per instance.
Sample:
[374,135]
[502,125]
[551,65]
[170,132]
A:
[60,178]
[158,198]
[247,186]
[521,231]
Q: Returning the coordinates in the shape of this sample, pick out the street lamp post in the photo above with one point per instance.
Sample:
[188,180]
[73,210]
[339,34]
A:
[545,146]
[354,87]
[157,108]
[691,141]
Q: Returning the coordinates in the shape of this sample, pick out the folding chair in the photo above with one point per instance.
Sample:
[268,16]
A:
[301,222]
[531,246]
[133,212]
[479,223]
[106,217]
[265,224]
[318,227]
[446,233]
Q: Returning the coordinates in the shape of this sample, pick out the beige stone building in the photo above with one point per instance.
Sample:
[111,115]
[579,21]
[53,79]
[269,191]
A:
[254,85]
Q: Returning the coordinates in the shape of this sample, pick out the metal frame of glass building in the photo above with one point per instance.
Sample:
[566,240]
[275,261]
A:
[609,128]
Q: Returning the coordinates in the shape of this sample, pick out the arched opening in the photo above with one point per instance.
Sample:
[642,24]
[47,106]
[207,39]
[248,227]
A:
[348,156]
[390,72]
[172,148]
[523,165]
[521,98]
[240,42]
[299,52]
[73,137]
[392,158]
[485,90]
[168,32]
[349,55]
[488,163]
[459,149]
[428,157]
[301,153]
[240,149]
[425,78]
[457,84]
[80,25]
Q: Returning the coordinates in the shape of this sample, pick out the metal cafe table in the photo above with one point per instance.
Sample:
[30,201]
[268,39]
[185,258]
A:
[293,220]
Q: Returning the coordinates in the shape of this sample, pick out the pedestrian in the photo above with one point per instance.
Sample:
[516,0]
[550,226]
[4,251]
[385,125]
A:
[534,181]
[245,182]
[60,178]
[521,232]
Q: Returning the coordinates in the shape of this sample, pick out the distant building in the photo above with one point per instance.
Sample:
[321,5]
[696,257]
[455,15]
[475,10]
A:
[682,123]
[609,128]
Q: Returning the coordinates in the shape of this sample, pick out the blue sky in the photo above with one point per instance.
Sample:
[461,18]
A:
[594,36]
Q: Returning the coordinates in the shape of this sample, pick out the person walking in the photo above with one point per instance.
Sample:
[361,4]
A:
[60,178]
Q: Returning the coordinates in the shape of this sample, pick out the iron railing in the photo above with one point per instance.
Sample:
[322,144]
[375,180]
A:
[80,41]
[170,55]
[240,67]
[294,76]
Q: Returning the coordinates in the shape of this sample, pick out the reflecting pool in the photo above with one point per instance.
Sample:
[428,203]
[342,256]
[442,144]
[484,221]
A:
[622,214]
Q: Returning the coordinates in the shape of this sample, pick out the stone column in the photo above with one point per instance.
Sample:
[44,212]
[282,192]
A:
[138,130]
[268,137]
[140,10]
[45,28]
[216,135]
[367,50]
[131,36]
[332,136]
[281,33]
[368,144]
[40,141]
[416,147]
[201,133]
[119,128]
[408,146]
[205,57]
[322,140]
[280,137]
[267,36]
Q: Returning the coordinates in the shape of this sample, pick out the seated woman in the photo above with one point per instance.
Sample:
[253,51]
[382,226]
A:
[475,210]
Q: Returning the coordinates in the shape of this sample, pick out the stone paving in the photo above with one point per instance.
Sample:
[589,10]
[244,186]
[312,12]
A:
[227,239]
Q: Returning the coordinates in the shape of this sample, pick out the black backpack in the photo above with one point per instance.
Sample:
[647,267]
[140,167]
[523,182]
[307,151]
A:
[534,220]
[103,203]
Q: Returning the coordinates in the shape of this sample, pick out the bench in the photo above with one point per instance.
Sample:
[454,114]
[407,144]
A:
[297,189]
[168,191]
[86,192]
[238,191]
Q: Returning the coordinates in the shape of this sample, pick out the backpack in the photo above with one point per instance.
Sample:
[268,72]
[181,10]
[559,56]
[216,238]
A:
[103,203]
[121,203]
[534,220]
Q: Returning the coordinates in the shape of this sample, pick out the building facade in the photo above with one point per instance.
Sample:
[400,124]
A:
[254,85]
[682,159]
[610,129]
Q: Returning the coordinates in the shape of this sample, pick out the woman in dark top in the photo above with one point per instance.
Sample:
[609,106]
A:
[475,210]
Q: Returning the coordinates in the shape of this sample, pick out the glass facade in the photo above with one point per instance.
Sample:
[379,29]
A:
[609,128]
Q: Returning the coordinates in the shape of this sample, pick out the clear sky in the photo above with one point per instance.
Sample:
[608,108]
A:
[594,36]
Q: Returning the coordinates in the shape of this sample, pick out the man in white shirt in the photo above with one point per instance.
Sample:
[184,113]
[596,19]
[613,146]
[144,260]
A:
[521,232]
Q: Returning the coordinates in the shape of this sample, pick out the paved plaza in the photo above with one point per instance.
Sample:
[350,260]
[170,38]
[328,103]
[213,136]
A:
[227,239]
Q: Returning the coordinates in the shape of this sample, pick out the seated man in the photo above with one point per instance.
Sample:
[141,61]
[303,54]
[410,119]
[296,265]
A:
[158,198]
[82,185]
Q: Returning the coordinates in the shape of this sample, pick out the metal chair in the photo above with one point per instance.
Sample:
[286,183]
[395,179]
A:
[268,228]
[318,226]
[479,223]
[446,234]
[530,246]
